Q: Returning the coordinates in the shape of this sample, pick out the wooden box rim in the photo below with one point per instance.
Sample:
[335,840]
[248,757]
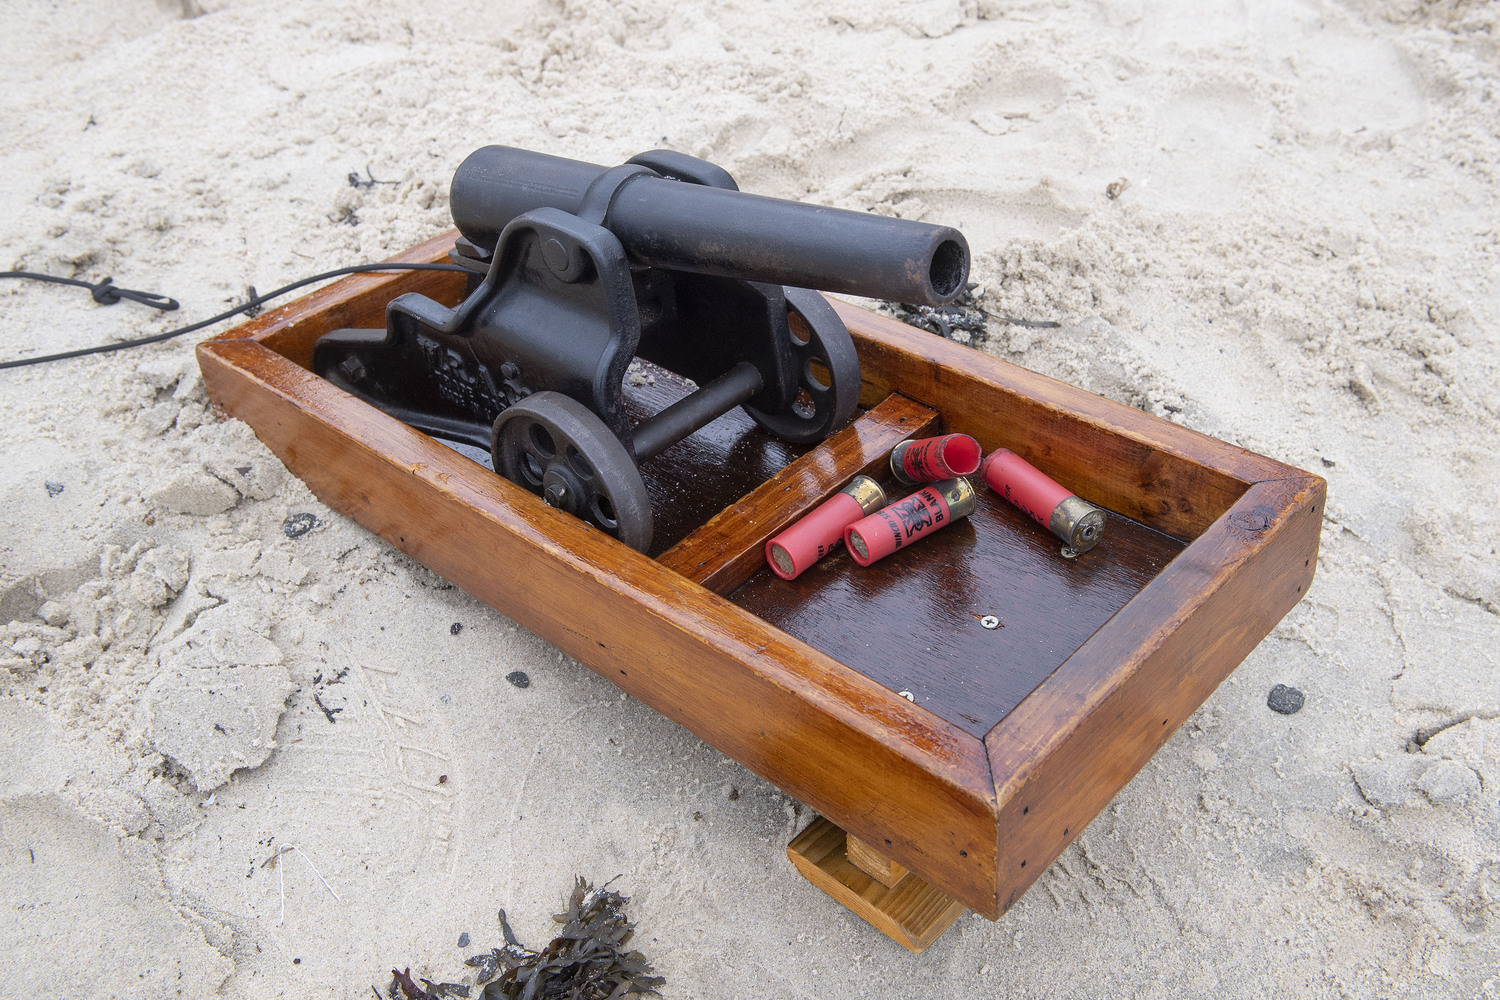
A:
[979,819]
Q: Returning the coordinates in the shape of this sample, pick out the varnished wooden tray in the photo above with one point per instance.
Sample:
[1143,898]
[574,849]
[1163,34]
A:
[1013,739]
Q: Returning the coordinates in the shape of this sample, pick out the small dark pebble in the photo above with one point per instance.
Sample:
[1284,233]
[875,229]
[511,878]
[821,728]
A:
[298,525]
[53,489]
[519,678]
[456,628]
[296,961]
[463,940]
[1286,700]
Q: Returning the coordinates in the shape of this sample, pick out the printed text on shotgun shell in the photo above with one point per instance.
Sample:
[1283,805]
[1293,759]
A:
[931,508]
[929,460]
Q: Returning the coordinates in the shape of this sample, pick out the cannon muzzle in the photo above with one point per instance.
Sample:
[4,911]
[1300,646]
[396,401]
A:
[718,230]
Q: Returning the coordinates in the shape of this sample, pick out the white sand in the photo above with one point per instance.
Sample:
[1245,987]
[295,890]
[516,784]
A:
[1304,261]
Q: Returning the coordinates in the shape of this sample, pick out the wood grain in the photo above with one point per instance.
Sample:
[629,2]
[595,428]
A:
[829,736]
[730,546]
[912,912]
[874,864]
[1072,745]
[975,804]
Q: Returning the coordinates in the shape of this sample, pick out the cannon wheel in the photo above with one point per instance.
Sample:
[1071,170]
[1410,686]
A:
[827,372]
[554,446]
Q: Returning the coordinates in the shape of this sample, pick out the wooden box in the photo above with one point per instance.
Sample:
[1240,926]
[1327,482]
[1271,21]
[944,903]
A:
[1008,740]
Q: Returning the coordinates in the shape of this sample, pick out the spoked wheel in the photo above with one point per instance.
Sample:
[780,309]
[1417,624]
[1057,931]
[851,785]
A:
[555,447]
[827,372]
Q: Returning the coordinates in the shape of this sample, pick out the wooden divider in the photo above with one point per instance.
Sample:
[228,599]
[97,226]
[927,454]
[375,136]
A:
[724,553]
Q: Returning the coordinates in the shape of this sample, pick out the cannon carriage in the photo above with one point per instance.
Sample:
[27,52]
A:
[580,269]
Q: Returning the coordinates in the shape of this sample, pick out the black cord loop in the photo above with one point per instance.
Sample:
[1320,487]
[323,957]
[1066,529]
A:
[107,293]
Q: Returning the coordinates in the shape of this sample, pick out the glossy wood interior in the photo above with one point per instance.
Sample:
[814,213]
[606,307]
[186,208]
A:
[912,621]
[709,470]
[977,803]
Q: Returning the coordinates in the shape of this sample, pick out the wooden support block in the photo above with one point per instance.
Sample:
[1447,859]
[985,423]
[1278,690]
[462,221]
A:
[912,912]
[874,864]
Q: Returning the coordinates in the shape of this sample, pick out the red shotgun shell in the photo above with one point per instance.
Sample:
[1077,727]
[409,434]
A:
[813,537]
[928,460]
[934,506]
[1077,522]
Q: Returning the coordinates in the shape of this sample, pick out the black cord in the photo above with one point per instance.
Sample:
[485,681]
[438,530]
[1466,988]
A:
[112,294]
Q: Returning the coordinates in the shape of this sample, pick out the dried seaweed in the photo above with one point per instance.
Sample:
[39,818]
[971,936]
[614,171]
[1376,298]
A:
[490,964]
[962,320]
[586,961]
[427,991]
[411,990]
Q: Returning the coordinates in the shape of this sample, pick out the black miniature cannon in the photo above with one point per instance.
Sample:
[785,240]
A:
[585,268]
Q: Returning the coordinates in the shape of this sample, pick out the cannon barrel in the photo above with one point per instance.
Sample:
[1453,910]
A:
[718,231]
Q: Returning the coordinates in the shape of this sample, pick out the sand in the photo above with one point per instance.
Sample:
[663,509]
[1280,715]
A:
[1275,222]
